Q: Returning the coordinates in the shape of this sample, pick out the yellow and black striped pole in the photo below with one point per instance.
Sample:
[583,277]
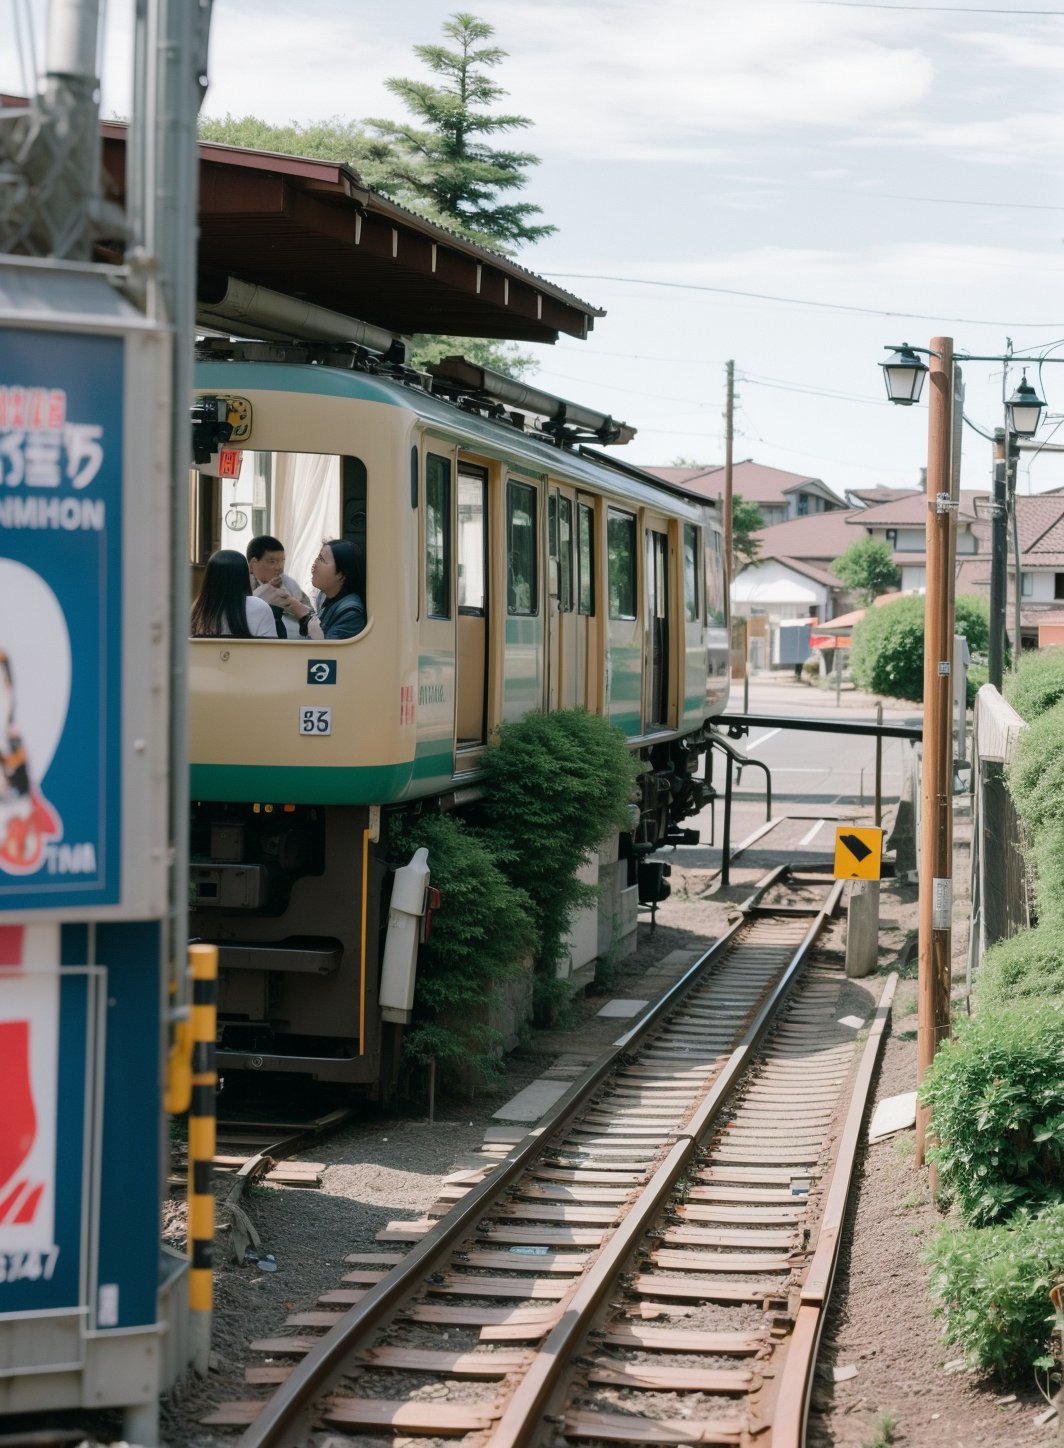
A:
[203,967]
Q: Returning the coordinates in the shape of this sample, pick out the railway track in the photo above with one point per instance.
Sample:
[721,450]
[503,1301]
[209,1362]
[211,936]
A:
[648,1265]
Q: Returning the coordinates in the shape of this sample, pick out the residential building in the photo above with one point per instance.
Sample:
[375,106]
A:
[779,495]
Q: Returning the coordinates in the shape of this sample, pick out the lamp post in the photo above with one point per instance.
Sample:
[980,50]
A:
[904,374]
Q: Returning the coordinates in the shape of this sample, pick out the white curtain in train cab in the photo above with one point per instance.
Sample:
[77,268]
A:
[306,508]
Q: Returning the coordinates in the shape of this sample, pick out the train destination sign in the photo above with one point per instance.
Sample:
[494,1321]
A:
[858,852]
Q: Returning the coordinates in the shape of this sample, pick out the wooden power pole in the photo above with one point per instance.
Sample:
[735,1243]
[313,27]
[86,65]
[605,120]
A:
[936,871]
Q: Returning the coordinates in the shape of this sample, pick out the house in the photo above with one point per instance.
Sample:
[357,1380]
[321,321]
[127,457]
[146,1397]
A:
[772,593]
[901,525]
[779,495]
[1040,526]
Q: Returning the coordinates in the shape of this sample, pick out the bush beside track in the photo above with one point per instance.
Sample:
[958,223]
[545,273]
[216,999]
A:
[997,1089]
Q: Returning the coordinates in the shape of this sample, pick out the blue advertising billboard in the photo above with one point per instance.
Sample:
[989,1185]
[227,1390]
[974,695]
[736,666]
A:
[61,616]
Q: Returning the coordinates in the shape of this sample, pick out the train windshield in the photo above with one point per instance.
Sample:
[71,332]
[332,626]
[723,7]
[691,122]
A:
[299,498]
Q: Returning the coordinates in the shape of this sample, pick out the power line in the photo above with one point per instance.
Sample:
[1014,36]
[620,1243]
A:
[800,301]
[940,9]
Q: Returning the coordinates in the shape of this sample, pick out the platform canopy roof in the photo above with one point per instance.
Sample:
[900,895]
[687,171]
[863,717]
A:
[311,229]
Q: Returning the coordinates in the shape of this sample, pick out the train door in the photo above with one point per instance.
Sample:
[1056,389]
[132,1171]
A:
[588,637]
[523,686]
[436,645]
[471,660]
[656,678]
[565,657]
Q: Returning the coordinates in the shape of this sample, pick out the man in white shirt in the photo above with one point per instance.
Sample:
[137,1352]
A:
[291,606]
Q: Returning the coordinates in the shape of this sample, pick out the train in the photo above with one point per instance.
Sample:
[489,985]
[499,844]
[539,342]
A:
[512,565]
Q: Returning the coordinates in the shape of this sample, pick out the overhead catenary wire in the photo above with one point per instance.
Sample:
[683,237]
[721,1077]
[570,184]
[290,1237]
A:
[799,301]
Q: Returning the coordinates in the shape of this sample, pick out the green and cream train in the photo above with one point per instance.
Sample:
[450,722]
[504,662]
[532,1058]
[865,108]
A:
[509,569]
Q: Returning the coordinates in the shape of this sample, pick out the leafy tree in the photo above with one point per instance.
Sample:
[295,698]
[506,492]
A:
[443,166]
[888,644]
[866,566]
[344,142]
[746,519]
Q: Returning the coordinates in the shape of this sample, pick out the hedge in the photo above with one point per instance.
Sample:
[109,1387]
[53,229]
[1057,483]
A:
[1038,683]
[1028,966]
[997,1095]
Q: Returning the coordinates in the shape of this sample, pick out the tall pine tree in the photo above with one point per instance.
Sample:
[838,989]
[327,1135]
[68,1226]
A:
[443,166]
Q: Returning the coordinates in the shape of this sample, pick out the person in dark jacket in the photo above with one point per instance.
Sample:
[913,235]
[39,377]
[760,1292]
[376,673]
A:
[339,573]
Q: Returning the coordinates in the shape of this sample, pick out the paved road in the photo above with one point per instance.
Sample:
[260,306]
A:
[818,779]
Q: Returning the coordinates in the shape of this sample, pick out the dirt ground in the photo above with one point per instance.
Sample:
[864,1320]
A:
[909,1387]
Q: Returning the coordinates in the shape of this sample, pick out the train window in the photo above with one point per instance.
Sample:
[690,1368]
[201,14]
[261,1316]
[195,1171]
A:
[522,594]
[714,554]
[585,559]
[472,541]
[438,536]
[565,554]
[690,572]
[300,498]
[620,549]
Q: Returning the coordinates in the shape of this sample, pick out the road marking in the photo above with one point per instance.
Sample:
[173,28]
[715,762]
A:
[811,834]
[762,739]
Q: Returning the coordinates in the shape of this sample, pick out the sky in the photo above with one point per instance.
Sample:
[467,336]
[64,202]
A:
[874,173]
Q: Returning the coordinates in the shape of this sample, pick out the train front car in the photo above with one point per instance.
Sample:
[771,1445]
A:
[504,574]
[295,744]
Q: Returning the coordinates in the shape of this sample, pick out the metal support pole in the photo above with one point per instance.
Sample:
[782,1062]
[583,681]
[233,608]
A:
[998,563]
[879,766]
[936,885]
[729,429]
[1012,457]
[725,857]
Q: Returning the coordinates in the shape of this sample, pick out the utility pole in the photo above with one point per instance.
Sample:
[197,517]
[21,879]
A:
[729,435]
[936,885]
[998,562]
[1012,458]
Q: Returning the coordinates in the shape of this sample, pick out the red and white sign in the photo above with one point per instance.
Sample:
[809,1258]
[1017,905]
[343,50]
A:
[29,1068]
[229,462]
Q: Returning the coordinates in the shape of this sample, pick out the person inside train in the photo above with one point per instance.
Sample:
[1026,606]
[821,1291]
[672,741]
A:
[225,607]
[339,573]
[292,609]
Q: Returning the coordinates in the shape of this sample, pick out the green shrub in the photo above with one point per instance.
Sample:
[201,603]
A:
[992,1286]
[997,1094]
[887,656]
[480,934]
[556,785]
[1030,966]
[1046,856]
[1038,683]
[1036,773]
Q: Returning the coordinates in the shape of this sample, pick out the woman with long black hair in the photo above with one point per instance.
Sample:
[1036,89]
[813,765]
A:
[225,607]
[339,572]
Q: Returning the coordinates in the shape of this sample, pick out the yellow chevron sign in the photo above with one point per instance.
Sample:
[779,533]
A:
[858,852]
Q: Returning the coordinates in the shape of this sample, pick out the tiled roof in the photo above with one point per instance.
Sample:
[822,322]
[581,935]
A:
[820,536]
[751,481]
[872,497]
[808,570]
[909,511]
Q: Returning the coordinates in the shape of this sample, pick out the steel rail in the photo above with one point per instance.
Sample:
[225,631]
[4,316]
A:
[285,1420]
[532,1399]
[796,1381]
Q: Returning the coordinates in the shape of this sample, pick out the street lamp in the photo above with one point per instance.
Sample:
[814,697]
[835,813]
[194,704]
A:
[905,371]
[904,374]
[1024,410]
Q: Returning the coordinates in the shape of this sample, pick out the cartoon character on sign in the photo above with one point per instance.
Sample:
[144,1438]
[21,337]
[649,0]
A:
[27,820]
[35,684]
